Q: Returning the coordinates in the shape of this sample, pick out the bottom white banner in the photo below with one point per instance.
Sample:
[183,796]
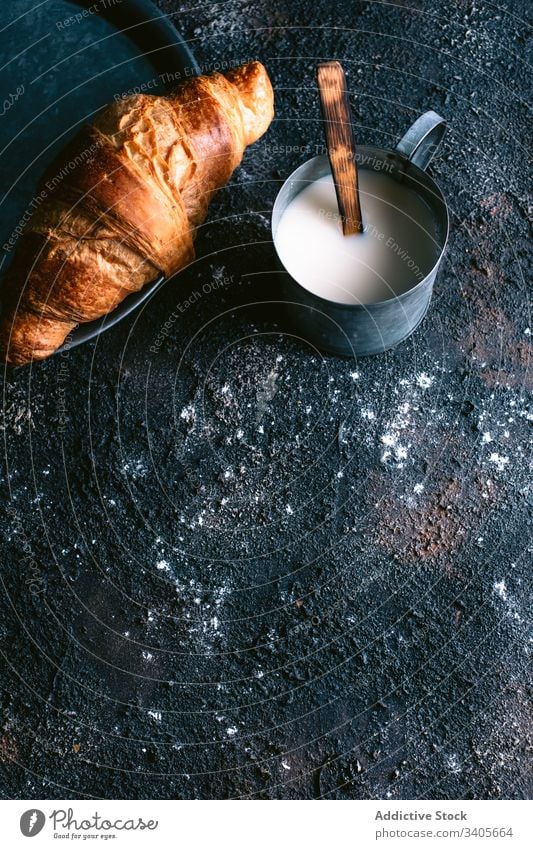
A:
[258,825]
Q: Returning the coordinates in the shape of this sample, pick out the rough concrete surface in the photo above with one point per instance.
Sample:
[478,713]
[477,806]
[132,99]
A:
[233,566]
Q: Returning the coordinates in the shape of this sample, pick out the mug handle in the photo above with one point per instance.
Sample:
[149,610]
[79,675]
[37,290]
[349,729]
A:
[422,139]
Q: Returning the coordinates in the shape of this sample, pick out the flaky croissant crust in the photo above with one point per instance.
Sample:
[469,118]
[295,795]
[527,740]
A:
[123,201]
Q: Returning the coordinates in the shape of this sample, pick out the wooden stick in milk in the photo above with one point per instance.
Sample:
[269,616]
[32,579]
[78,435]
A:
[340,143]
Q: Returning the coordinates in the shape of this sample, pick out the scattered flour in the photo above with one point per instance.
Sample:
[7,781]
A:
[499,460]
[393,450]
[453,764]
[424,380]
[501,590]
[188,414]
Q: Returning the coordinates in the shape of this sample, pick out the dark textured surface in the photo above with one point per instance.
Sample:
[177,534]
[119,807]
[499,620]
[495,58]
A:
[234,567]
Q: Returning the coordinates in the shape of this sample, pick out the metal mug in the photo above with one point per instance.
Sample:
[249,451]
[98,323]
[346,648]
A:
[363,329]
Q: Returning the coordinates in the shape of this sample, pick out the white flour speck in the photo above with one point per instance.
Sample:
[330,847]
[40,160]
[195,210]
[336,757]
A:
[499,460]
[501,590]
[424,380]
[393,450]
[453,764]
[188,414]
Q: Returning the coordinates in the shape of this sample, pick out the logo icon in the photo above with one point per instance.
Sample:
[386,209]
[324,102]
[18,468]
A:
[32,822]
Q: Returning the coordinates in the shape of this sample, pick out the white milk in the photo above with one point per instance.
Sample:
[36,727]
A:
[395,252]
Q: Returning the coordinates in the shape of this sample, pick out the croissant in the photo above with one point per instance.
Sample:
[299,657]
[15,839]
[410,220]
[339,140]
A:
[122,203]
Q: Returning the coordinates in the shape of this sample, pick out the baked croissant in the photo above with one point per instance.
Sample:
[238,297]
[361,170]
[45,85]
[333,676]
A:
[123,201]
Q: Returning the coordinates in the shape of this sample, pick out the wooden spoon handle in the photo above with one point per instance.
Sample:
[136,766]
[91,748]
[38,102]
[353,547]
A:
[340,143]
